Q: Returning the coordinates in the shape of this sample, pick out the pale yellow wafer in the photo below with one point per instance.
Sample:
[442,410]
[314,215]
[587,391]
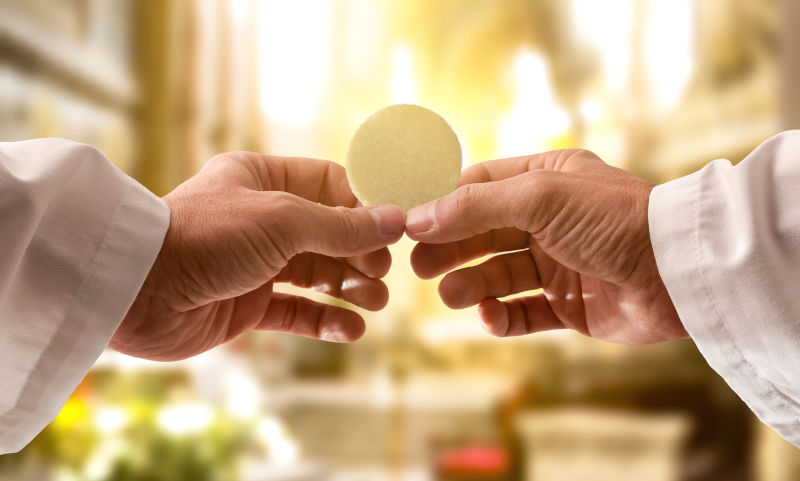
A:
[404,155]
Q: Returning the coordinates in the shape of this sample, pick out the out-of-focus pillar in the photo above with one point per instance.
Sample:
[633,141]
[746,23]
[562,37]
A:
[790,64]
[153,45]
[189,126]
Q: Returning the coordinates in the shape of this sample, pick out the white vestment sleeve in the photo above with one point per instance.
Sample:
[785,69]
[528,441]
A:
[77,239]
[727,244]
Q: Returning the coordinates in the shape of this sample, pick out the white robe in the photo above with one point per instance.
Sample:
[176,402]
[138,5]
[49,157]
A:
[727,244]
[77,238]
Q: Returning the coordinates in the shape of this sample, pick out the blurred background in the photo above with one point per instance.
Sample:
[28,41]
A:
[657,87]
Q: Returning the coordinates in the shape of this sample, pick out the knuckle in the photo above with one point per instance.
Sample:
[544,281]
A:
[578,152]
[216,159]
[539,190]
[287,321]
[280,224]
[581,154]
[474,174]
[465,197]
[283,202]
[538,184]
[346,227]
[222,160]
[453,209]
[334,171]
[233,160]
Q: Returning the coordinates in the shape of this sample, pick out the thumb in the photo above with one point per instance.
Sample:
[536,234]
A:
[523,202]
[341,231]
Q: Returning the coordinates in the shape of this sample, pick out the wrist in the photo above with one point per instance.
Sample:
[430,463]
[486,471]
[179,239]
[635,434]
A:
[149,300]
[662,305]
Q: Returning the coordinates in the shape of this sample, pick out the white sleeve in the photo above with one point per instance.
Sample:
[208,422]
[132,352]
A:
[727,244]
[77,239]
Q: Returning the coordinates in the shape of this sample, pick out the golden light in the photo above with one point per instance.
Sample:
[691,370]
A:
[294,63]
[669,54]
[402,86]
[183,419]
[535,119]
[282,449]
[110,420]
[606,27]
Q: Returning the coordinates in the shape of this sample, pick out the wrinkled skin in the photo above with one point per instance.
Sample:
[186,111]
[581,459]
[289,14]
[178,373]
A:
[562,221]
[244,222]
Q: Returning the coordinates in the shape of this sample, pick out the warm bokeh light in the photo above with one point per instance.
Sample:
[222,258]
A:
[659,88]
[294,58]
[184,418]
[535,122]
[403,86]
[110,420]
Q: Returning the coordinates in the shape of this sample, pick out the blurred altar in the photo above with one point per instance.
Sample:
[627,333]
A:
[656,87]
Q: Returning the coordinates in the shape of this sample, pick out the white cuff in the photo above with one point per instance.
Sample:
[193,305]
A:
[132,241]
[707,262]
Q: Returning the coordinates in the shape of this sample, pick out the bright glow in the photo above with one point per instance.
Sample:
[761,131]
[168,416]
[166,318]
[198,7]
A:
[453,329]
[110,420]
[591,110]
[284,452]
[282,449]
[606,27]
[99,465]
[403,87]
[534,118]
[270,428]
[184,418]
[62,473]
[383,391]
[294,64]
[668,50]
[242,395]
[239,10]
[363,28]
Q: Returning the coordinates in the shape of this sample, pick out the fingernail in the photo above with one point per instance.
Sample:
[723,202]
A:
[420,219]
[389,218]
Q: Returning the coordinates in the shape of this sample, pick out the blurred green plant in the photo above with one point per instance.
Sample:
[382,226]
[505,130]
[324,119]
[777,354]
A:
[74,447]
[208,456]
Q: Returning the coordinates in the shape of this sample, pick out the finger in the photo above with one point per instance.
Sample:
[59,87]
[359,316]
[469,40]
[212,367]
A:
[500,169]
[374,264]
[431,260]
[518,317]
[312,179]
[315,180]
[304,317]
[523,202]
[305,226]
[500,276]
[335,278]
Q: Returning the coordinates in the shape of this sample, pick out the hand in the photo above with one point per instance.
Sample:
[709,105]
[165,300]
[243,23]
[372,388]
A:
[244,222]
[564,222]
